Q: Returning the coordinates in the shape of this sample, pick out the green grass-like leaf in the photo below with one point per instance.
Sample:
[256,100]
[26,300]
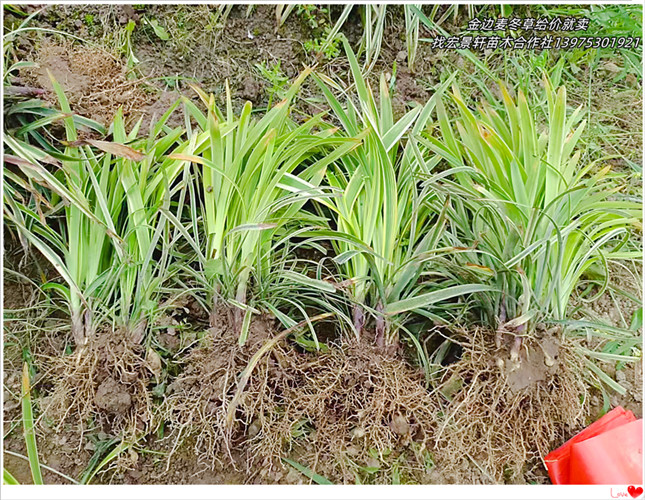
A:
[316,478]
[7,477]
[28,427]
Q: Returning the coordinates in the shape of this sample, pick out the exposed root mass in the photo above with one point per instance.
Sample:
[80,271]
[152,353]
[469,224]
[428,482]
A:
[103,384]
[504,418]
[357,412]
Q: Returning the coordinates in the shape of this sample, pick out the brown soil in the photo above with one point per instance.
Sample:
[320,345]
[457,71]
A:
[354,412]
[182,468]
[95,83]
[535,364]
[198,398]
[154,110]
[231,53]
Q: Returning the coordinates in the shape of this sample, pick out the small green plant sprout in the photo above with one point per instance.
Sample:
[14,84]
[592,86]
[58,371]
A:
[277,80]
[157,28]
[310,14]
[324,48]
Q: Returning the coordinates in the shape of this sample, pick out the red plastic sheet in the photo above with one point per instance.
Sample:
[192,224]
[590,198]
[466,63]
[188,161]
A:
[609,451]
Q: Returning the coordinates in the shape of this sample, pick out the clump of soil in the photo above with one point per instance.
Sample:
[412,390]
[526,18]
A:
[103,382]
[153,111]
[96,84]
[535,364]
[407,89]
[503,416]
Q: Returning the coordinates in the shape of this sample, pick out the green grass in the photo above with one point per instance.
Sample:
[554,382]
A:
[604,81]
[388,222]
[7,477]
[316,478]
[251,178]
[536,220]
[393,214]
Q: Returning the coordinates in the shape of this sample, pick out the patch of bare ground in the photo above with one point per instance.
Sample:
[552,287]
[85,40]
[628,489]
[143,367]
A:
[207,48]
[96,84]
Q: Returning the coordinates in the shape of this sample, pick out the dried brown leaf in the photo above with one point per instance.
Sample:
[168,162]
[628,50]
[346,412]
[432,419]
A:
[120,150]
[154,362]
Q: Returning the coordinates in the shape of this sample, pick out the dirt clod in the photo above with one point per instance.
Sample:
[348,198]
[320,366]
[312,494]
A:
[95,83]
[105,380]
[113,396]
[400,425]
[537,361]
[251,89]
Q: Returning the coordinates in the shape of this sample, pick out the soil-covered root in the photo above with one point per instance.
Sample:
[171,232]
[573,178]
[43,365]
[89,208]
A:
[357,412]
[502,417]
[102,384]
[354,412]
[96,84]
[196,402]
[351,410]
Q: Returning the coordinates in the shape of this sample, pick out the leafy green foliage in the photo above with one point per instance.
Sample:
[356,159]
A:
[97,218]
[310,14]
[325,47]
[277,80]
[7,477]
[516,214]
[388,221]
[158,29]
[252,176]
[536,221]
